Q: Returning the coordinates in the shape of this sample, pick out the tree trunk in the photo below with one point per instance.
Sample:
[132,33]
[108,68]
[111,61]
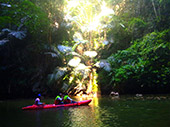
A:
[153,4]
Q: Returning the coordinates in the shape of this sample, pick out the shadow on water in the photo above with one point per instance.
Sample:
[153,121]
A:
[123,111]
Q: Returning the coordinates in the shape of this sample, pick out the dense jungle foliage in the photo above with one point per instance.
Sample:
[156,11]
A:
[137,53]
[141,68]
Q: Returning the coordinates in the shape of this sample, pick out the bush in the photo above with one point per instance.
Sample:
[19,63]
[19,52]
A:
[144,67]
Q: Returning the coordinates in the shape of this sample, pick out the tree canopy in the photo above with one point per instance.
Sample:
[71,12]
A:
[75,46]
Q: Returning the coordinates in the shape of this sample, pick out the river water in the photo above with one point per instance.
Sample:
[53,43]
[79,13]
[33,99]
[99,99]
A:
[125,111]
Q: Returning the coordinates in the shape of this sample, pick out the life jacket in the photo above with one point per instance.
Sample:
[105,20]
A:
[58,100]
[66,100]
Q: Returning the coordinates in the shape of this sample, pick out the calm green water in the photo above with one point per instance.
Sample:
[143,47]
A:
[102,112]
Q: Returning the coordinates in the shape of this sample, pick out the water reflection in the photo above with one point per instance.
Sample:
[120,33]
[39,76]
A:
[92,116]
[95,102]
[38,120]
[127,111]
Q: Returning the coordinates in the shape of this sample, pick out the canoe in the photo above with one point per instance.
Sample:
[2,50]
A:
[46,106]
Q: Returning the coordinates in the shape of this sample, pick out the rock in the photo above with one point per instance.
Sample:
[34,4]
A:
[114,94]
[139,95]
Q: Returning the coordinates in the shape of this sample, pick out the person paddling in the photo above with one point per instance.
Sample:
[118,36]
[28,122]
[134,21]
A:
[37,100]
[67,99]
[59,99]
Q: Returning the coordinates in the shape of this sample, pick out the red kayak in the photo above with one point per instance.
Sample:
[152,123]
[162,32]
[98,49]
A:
[79,103]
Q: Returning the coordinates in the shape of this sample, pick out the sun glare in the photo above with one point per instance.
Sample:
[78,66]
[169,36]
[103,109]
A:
[89,20]
[72,3]
[105,10]
[88,16]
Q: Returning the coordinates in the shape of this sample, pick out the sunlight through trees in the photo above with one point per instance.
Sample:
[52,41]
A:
[89,21]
